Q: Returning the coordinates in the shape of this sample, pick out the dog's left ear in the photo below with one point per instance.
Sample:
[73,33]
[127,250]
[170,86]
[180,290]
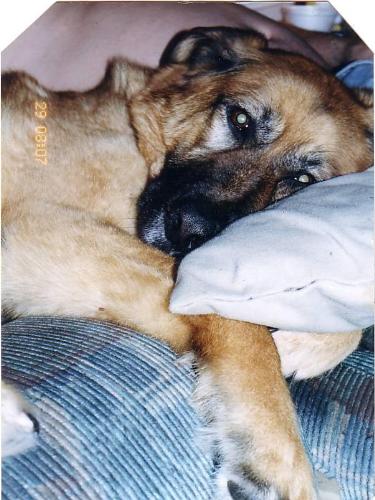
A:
[364,96]
[216,49]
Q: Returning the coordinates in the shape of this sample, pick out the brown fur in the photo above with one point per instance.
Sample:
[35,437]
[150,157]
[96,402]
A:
[69,226]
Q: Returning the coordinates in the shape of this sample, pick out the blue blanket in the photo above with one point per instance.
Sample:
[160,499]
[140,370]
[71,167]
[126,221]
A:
[116,420]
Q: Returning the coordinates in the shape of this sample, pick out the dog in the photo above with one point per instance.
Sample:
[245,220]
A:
[104,191]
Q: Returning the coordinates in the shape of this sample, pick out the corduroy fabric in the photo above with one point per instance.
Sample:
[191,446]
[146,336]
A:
[336,415]
[114,413]
[116,421]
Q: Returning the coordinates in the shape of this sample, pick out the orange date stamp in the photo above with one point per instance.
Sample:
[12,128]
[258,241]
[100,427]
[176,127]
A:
[41,132]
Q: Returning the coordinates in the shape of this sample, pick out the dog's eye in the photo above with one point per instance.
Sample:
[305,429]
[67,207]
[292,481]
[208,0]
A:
[240,118]
[304,178]
[242,125]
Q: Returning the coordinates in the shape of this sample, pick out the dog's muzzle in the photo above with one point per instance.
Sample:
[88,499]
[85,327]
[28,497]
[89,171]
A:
[178,226]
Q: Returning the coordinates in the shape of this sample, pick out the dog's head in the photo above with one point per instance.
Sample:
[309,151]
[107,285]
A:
[229,127]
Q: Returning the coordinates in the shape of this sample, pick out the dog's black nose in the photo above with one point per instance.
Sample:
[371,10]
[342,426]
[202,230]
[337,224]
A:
[188,225]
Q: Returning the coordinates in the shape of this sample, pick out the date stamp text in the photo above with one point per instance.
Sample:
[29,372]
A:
[41,132]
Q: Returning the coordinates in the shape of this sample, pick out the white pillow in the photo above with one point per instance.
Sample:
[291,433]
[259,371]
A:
[303,264]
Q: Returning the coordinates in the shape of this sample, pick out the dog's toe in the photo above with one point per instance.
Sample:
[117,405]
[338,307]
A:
[245,489]
[236,491]
[243,485]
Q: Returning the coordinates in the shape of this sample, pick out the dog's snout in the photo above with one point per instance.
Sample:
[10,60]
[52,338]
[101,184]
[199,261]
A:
[189,225]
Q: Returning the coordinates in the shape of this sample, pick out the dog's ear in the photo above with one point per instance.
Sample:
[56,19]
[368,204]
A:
[217,49]
[364,96]
[125,78]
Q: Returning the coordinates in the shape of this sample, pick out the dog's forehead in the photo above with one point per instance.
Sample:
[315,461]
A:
[275,82]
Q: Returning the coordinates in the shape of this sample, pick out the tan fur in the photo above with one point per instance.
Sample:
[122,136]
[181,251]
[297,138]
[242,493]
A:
[69,244]
[307,355]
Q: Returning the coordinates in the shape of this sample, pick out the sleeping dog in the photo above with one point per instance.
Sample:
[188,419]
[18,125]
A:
[103,190]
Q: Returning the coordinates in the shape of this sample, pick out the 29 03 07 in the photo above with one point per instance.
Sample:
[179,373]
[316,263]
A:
[40,111]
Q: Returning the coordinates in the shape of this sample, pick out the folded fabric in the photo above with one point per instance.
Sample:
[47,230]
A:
[303,264]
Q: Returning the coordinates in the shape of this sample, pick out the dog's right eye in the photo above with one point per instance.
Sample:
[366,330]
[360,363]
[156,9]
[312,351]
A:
[240,118]
[241,123]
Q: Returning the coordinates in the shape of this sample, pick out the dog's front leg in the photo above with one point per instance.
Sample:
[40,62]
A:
[61,261]
[244,393]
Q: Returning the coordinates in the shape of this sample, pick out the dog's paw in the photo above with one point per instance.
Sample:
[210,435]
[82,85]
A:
[256,463]
[250,472]
[19,428]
